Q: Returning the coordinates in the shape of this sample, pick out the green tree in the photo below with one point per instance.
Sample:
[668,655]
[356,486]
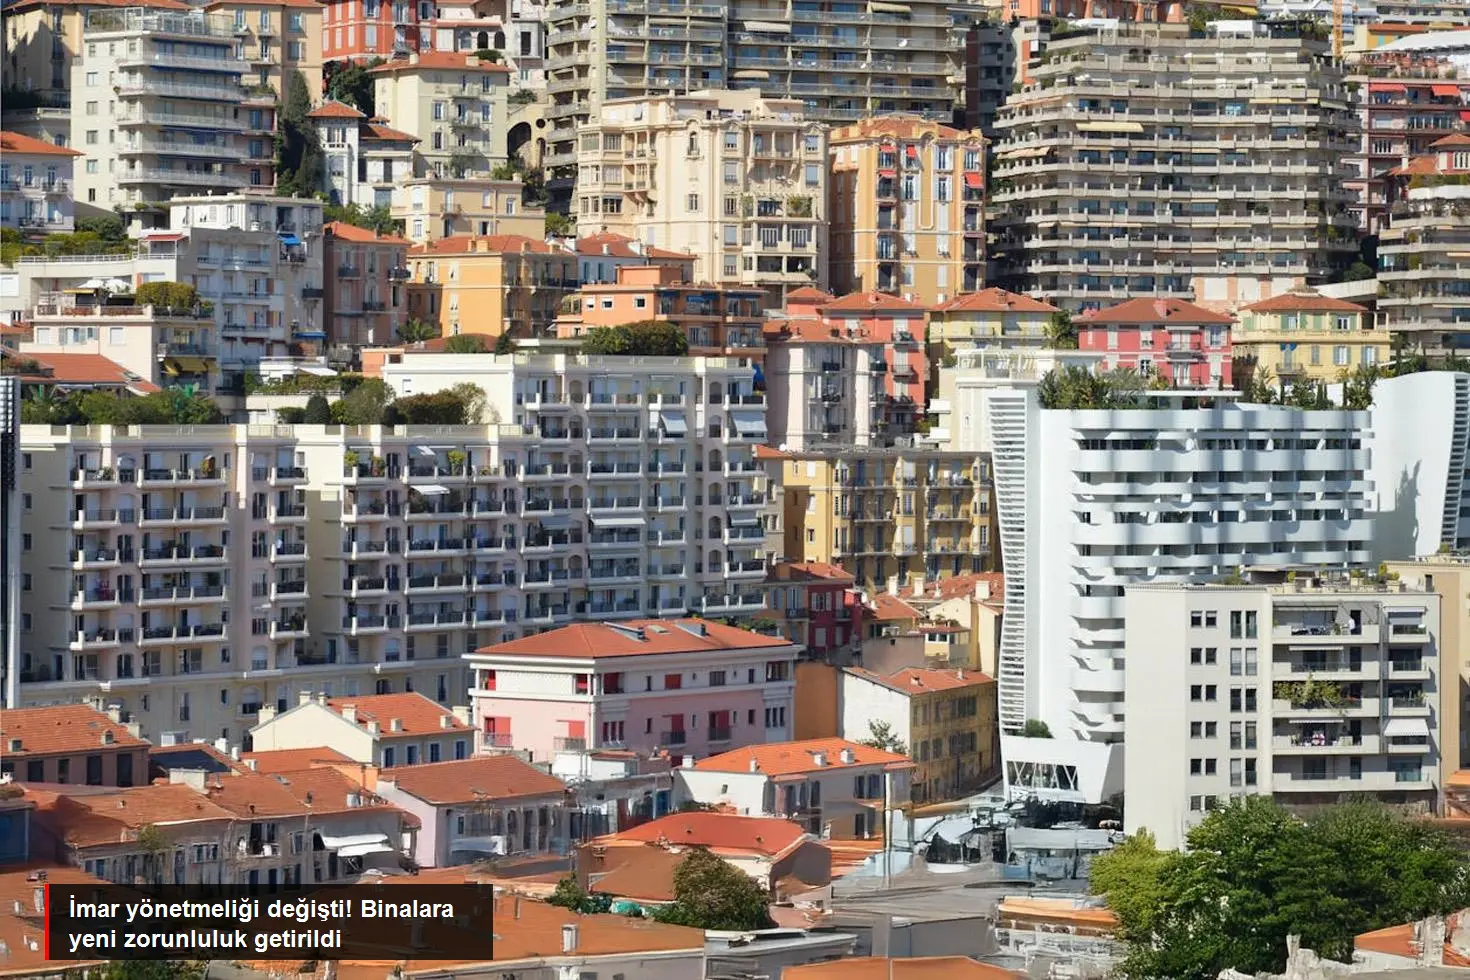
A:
[354,85]
[505,344]
[173,295]
[559,224]
[570,895]
[1036,728]
[607,340]
[709,893]
[474,400]
[464,343]
[108,227]
[377,218]
[301,167]
[416,331]
[438,408]
[504,171]
[1357,386]
[1254,874]
[363,405]
[882,736]
[318,410]
[1061,333]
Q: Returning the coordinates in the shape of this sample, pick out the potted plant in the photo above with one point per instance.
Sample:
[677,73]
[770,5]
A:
[350,459]
[378,465]
[457,459]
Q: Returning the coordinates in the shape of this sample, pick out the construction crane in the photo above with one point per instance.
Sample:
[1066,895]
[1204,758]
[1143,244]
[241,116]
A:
[1337,30]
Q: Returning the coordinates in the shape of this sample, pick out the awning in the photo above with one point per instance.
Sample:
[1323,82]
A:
[318,370]
[1394,87]
[309,334]
[766,27]
[974,180]
[186,365]
[745,519]
[479,845]
[359,850]
[1465,115]
[432,490]
[1447,91]
[1111,127]
[1025,152]
[290,240]
[1406,728]
[889,8]
[888,174]
[619,521]
[673,423]
[555,522]
[353,840]
[912,152]
[751,73]
[748,424]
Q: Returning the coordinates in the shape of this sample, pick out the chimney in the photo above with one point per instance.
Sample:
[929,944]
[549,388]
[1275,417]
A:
[395,725]
[266,713]
[847,756]
[38,899]
[461,714]
[569,938]
[192,778]
[606,249]
[893,585]
[135,729]
[755,765]
[413,58]
[637,246]
[982,591]
[349,713]
[918,586]
[516,912]
[1430,934]
[321,698]
[235,753]
[250,763]
[960,674]
[819,759]
[303,697]
[688,762]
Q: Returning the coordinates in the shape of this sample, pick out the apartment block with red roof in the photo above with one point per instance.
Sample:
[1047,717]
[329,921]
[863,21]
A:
[601,255]
[716,319]
[686,686]
[1421,294]
[71,744]
[454,102]
[832,787]
[35,185]
[1183,343]
[900,325]
[366,302]
[365,158]
[476,808]
[361,30]
[489,285]
[817,605]
[383,730]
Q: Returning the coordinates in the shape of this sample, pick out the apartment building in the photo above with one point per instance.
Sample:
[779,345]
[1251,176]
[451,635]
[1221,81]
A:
[1090,502]
[73,743]
[1320,688]
[1303,334]
[688,686]
[945,719]
[825,381]
[159,109]
[717,320]
[278,38]
[516,31]
[737,180]
[498,284]
[633,487]
[361,30]
[1407,102]
[1183,343]
[602,255]
[832,787]
[992,318]
[844,61]
[365,159]
[380,730]
[454,102]
[907,209]
[1446,575]
[1420,280]
[1249,205]
[432,208]
[368,300]
[180,597]
[881,513]
[816,605]
[991,62]
[35,186]
[157,345]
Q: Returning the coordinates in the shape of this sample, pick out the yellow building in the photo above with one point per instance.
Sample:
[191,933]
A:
[1303,334]
[278,39]
[907,201]
[497,284]
[454,103]
[886,514]
[945,718]
[987,318]
[431,208]
[42,41]
[1449,576]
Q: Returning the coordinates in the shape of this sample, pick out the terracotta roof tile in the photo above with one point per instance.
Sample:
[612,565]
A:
[1451,141]
[494,777]
[995,300]
[908,968]
[896,126]
[792,758]
[21,143]
[924,680]
[492,244]
[326,790]
[247,794]
[89,819]
[890,607]
[419,715]
[872,302]
[87,369]
[363,236]
[22,934]
[61,728]
[332,109]
[722,833]
[1400,941]
[1306,301]
[811,330]
[635,637]
[428,60]
[645,874]
[799,571]
[809,294]
[770,452]
[620,246]
[959,585]
[289,760]
[380,131]
[1137,312]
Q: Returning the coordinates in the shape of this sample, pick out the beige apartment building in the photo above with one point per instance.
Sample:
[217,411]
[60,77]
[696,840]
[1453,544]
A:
[1142,161]
[843,60]
[432,208]
[156,344]
[1448,576]
[43,41]
[454,102]
[907,204]
[278,38]
[737,180]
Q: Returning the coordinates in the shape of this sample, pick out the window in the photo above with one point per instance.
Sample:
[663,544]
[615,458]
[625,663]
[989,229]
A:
[1210,620]
[1196,766]
[1210,692]
[813,174]
[673,682]
[1196,729]
[692,205]
[776,717]
[1210,767]
[1196,692]
[1237,661]
[434,750]
[388,759]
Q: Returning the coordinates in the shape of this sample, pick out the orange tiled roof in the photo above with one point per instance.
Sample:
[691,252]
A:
[960,585]
[621,247]
[1450,141]
[89,819]
[1306,300]
[364,236]
[333,109]
[896,126]
[493,245]
[326,790]
[87,369]
[381,131]
[797,571]
[429,60]
[21,143]
[810,330]
[1399,941]
[289,760]
[419,715]
[722,833]
[872,302]
[1059,909]
[887,606]
[61,728]
[924,680]
[587,641]
[247,794]
[770,452]
[492,777]
[23,933]
[1136,312]
[645,874]
[907,968]
[794,758]
[995,300]
[809,294]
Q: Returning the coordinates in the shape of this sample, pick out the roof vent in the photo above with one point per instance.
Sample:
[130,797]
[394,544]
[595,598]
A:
[847,756]
[631,632]
[349,712]
[755,765]
[819,759]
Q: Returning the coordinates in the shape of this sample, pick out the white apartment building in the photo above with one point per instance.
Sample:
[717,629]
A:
[157,344]
[158,109]
[164,573]
[824,389]
[454,102]
[737,180]
[1090,502]
[1311,690]
[1421,464]
[35,185]
[365,160]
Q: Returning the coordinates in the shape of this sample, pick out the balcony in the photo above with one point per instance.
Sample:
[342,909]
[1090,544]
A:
[179,633]
[569,744]
[362,586]
[193,476]
[285,476]
[183,515]
[369,624]
[447,581]
[673,738]
[180,594]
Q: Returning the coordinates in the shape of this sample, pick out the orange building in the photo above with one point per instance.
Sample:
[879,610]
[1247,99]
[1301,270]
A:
[900,326]
[716,319]
[489,285]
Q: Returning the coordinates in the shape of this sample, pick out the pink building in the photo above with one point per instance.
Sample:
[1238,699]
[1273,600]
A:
[689,686]
[1187,345]
[900,325]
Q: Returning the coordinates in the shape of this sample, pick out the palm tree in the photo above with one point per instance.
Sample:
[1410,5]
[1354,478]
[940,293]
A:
[416,331]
